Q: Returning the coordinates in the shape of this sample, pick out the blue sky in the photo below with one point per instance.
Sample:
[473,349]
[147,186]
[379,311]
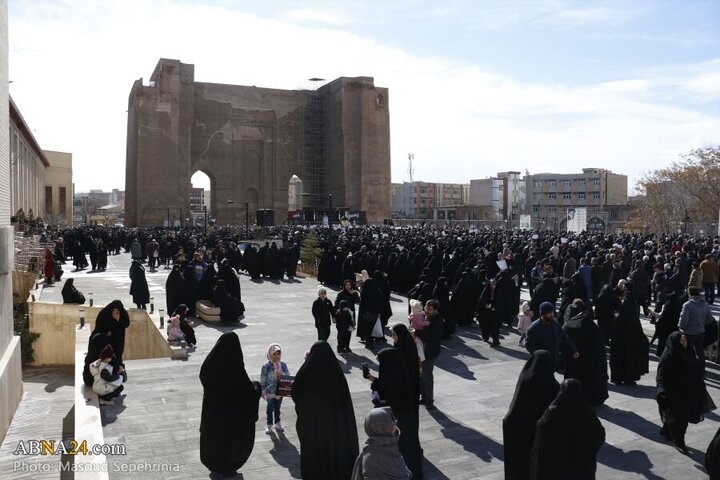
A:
[476,87]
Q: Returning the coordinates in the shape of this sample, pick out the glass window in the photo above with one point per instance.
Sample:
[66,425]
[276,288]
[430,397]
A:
[566,196]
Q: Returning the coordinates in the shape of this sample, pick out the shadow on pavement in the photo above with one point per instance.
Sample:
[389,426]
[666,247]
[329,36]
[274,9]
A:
[631,421]
[633,461]
[470,439]
[285,454]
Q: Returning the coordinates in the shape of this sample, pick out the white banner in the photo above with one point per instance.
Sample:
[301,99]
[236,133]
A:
[576,219]
[525,222]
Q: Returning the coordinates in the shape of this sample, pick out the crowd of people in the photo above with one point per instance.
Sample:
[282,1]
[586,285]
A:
[588,293]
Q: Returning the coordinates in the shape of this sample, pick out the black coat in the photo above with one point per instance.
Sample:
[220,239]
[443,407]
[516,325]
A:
[70,294]
[712,457]
[667,323]
[138,284]
[325,423]
[229,408]
[174,290]
[230,307]
[463,300]
[567,438]
[394,390]
[535,389]
[105,323]
[408,351]
[682,396]
[97,342]
[591,367]
[629,347]
[323,311]
[547,291]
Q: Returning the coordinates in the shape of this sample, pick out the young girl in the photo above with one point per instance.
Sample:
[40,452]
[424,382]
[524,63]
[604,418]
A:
[524,321]
[108,376]
[345,324]
[179,327]
[323,311]
[269,375]
[418,322]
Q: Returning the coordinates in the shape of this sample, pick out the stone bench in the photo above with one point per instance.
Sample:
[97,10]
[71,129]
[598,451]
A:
[88,422]
[206,311]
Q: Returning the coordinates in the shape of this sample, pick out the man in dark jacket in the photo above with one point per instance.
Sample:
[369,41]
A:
[546,334]
[431,337]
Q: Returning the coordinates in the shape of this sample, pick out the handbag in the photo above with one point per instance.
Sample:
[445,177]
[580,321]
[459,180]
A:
[377,331]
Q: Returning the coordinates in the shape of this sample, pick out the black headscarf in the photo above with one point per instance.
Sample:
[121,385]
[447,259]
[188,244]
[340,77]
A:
[567,438]
[536,388]
[229,409]
[105,323]
[325,417]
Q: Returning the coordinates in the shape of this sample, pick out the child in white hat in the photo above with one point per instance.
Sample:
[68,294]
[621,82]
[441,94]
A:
[524,321]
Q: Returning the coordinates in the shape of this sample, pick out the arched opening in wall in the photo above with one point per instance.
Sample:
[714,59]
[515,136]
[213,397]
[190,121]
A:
[202,202]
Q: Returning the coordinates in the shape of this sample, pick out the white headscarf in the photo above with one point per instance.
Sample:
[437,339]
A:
[274,347]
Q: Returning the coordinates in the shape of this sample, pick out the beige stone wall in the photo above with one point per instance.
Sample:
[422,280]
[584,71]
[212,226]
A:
[57,175]
[56,323]
[617,189]
[10,369]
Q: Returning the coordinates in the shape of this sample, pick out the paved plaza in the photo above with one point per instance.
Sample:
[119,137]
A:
[159,418]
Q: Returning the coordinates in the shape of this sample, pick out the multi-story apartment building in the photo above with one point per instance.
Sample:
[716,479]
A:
[418,199]
[488,192]
[505,194]
[550,195]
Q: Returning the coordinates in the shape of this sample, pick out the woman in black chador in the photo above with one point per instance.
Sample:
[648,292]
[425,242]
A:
[629,347]
[230,307]
[174,289]
[229,408]
[112,321]
[70,294]
[394,390]
[682,397]
[407,347]
[567,438]
[591,367]
[232,282]
[535,389]
[325,417]
[138,285]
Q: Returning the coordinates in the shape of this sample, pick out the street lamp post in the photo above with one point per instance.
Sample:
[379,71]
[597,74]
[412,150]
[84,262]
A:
[206,217]
[247,220]
[330,219]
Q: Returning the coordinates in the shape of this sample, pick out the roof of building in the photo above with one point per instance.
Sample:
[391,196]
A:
[17,118]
